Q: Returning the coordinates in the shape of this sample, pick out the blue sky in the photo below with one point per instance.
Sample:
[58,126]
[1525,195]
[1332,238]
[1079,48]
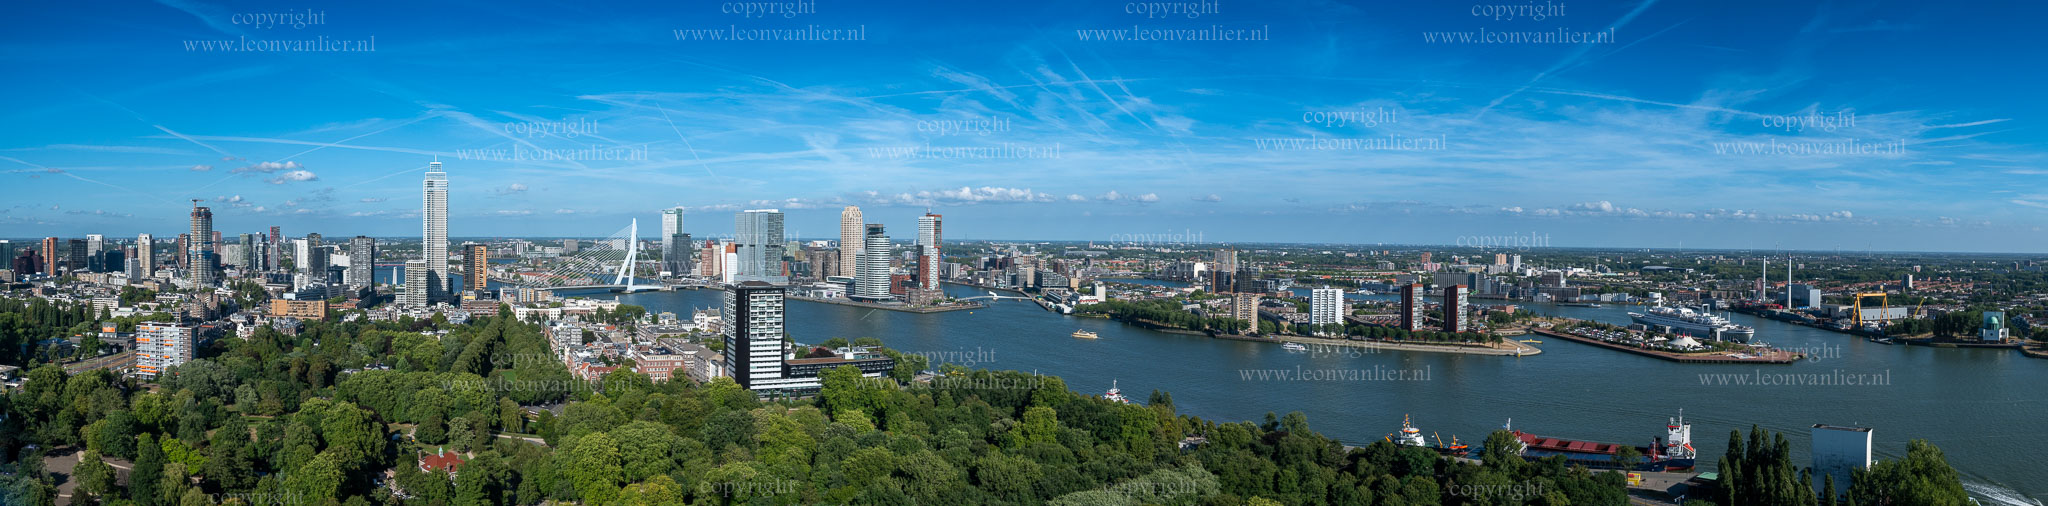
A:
[115,118]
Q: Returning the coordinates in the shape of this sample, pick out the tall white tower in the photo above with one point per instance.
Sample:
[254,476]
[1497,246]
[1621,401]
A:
[928,236]
[671,225]
[851,236]
[434,228]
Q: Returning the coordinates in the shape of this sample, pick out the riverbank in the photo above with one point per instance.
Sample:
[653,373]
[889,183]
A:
[2039,352]
[1772,357]
[905,308]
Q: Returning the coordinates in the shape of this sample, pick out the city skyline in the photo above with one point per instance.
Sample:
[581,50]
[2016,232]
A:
[1622,144]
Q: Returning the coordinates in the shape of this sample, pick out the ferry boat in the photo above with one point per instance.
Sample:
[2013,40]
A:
[1673,452]
[1688,321]
[1116,394]
[1294,347]
[1083,334]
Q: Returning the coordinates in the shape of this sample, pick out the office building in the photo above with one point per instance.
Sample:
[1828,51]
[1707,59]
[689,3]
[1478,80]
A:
[1805,296]
[708,260]
[1326,306]
[27,262]
[199,257]
[672,225]
[676,254]
[928,235]
[1836,451]
[475,262]
[362,262]
[434,231]
[75,258]
[871,278]
[276,254]
[758,235]
[851,226]
[1455,309]
[7,251]
[1411,307]
[94,244]
[160,346]
[252,253]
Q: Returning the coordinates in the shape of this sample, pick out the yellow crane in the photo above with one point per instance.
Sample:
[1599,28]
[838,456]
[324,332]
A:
[1856,309]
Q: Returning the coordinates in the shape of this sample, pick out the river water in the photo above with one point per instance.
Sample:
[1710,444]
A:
[1981,407]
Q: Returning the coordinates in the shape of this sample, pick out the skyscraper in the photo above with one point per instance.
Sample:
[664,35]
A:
[871,280]
[94,244]
[676,254]
[75,258]
[928,235]
[850,241]
[252,254]
[199,259]
[1454,309]
[758,233]
[672,224]
[753,332]
[276,240]
[1326,306]
[145,255]
[1411,307]
[50,256]
[475,257]
[434,230]
[418,288]
[362,262]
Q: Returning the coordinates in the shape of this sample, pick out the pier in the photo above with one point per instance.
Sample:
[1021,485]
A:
[1772,357]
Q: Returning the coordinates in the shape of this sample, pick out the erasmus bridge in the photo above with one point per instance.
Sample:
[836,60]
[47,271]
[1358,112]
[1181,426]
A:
[611,262]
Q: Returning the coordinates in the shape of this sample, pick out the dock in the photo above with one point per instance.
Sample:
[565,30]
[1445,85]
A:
[1774,357]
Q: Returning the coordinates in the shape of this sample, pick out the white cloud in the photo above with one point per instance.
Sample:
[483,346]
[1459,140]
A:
[202,168]
[269,167]
[565,211]
[514,188]
[373,200]
[297,175]
[1209,198]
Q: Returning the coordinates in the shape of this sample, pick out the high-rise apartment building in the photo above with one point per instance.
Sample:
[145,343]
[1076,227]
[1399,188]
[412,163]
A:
[671,225]
[850,240]
[708,262]
[362,262]
[758,234]
[160,346]
[871,279]
[418,290]
[1245,306]
[50,256]
[1326,306]
[753,333]
[274,257]
[145,255]
[1411,307]
[928,236]
[434,231]
[475,261]
[1454,309]
[1226,260]
[199,259]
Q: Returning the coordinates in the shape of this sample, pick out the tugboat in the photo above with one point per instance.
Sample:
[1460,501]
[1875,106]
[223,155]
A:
[1115,394]
[1455,449]
[1083,334]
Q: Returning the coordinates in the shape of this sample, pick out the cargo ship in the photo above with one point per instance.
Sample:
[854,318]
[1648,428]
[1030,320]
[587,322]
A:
[1673,452]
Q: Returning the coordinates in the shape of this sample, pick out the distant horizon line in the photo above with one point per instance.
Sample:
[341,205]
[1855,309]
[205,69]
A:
[1200,245]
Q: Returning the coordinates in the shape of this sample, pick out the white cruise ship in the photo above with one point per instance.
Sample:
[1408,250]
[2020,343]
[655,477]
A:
[1692,322]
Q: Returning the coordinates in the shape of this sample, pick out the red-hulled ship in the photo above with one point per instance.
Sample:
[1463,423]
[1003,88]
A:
[1673,452]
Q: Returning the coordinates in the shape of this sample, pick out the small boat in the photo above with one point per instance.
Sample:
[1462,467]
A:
[1409,435]
[1083,334]
[1532,341]
[1294,347]
[1116,394]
